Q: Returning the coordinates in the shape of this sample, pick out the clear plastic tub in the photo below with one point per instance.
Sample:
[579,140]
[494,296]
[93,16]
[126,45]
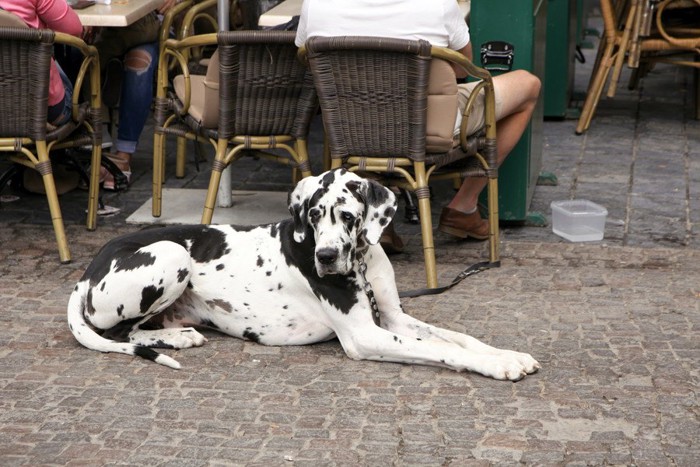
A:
[578,220]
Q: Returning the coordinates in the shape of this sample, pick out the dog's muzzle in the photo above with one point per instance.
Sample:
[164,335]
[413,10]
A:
[329,260]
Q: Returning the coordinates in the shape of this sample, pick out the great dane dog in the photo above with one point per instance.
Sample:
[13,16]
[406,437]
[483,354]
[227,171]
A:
[307,279]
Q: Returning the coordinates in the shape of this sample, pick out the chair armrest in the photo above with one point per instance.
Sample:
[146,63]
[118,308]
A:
[195,12]
[175,46]
[460,60]
[169,18]
[174,49]
[89,69]
[486,84]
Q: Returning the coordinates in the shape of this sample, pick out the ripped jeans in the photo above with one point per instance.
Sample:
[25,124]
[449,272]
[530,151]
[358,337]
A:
[140,65]
[137,47]
[60,113]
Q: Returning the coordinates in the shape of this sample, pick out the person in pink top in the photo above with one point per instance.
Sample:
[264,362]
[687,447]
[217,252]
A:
[58,16]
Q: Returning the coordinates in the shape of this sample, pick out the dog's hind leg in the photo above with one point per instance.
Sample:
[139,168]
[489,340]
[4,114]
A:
[168,338]
[171,328]
[139,285]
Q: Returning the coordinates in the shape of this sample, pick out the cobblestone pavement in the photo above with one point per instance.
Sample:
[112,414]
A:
[615,325]
[616,330]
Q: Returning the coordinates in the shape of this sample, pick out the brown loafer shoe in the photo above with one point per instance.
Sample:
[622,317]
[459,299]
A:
[463,225]
[390,240]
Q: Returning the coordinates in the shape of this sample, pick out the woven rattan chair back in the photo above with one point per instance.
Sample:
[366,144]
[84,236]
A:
[373,94]
[25,56]
[263,87]
[25,59]
[381,95]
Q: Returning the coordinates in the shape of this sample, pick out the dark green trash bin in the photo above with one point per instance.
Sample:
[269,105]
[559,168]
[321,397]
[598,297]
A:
[521,23]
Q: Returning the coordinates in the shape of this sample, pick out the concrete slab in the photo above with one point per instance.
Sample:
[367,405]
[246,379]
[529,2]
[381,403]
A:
[184,206]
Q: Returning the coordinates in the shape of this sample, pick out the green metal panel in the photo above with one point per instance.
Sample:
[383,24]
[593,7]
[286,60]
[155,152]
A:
[523,24]
[559,61]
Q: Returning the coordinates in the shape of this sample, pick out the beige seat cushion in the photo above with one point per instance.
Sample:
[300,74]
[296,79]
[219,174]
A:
[442,107]
[204,98]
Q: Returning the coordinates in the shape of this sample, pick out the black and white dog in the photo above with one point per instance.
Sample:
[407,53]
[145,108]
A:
[300,281]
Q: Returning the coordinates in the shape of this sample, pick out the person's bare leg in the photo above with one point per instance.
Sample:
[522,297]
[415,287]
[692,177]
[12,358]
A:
[518,91]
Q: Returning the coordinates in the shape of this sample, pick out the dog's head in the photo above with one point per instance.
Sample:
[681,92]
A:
[345,214]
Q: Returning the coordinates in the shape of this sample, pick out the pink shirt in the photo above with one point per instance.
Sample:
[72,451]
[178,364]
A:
[47,14]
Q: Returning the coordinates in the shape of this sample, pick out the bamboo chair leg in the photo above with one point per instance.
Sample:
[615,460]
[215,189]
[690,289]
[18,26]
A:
[303,169]
[158,156]
[494,234]
[210,201]
[44,168]
[426,224]
[634,50]
[596,96]
[180,157]
[622,50]
[217,167]
[595,88]
[94,189]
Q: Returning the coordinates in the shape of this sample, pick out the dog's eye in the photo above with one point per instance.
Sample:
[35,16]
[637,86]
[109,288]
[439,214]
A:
[314,215]
[347,217]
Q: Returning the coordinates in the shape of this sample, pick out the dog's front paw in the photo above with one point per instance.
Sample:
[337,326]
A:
[529,364]
[509,365]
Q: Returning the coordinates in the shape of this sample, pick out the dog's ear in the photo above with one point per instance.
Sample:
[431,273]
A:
[380,207]
[298,204]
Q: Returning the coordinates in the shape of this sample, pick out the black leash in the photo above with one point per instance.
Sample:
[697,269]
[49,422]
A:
[369,292]
[470,271]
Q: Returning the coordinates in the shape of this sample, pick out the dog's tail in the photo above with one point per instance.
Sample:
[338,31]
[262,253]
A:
[90,339]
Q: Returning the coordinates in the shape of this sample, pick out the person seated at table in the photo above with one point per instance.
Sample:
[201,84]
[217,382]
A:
[129,60]
[441,23]
[58,16]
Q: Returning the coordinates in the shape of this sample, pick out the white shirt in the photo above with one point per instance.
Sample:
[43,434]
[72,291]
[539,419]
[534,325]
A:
[440,22]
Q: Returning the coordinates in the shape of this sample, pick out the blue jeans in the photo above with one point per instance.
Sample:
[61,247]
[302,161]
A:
[60,113]
[135,101]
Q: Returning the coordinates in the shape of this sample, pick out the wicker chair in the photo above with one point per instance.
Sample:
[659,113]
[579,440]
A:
[202,14]
[259,97]
[637,31]
[25,56]
[389,108]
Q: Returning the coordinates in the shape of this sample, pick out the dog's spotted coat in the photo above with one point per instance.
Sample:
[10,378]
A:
[295,282]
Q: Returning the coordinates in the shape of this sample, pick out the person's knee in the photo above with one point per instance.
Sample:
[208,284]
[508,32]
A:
[530,83]
[138,60]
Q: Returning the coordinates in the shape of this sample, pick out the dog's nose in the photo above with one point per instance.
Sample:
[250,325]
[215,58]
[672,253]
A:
[327,255]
